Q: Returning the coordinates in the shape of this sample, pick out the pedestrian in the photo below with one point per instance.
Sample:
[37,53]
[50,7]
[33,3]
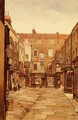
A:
[19,86]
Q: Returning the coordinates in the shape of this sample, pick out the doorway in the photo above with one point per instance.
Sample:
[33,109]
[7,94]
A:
[50,81]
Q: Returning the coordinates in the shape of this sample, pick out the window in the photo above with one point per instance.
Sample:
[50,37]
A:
[26,41]
[16,46]
[10,60]
[35,52]
[41,63]
[39,41]
[35,66]
[76,51]
[41,56]
[27,57]
[51,42]
[50,53]
[10,46]
[73,36]
[50,67]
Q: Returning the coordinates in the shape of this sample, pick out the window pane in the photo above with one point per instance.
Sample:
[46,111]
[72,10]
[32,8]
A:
[50,53]
[35,52]
[35,66]
[50,67]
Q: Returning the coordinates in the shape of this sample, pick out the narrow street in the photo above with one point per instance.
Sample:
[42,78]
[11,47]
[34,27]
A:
[42,104]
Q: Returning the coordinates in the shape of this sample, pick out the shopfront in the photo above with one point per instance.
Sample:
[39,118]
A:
[68,80]
[38,79]
[75,81]
[57,81]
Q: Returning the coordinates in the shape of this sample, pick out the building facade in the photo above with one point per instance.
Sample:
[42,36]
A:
[69,64]
[43,48]
[2,64]
[15,57]
[68,83]
[75,59]
[21,62]
[27,58]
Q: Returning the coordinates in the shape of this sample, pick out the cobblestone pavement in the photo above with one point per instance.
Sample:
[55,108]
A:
[44,104]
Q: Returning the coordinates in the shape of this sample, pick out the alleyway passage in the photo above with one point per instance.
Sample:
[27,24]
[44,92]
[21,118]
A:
[43,104]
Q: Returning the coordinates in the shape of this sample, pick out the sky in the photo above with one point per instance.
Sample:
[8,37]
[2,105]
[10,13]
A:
[46,16]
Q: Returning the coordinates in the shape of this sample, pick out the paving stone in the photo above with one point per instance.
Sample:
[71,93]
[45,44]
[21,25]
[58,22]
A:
[40,116]
[76,109]
[57,117]
[68,117]
[43,104]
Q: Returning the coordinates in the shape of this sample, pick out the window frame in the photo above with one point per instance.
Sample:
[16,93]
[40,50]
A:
[49,67]
[34,66]
[36,53]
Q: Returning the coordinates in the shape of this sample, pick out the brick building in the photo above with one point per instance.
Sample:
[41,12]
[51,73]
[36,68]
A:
[2,64]
[74,34]
[14,57]
[43,48]
[27,57]
[64,57]
[69,64]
